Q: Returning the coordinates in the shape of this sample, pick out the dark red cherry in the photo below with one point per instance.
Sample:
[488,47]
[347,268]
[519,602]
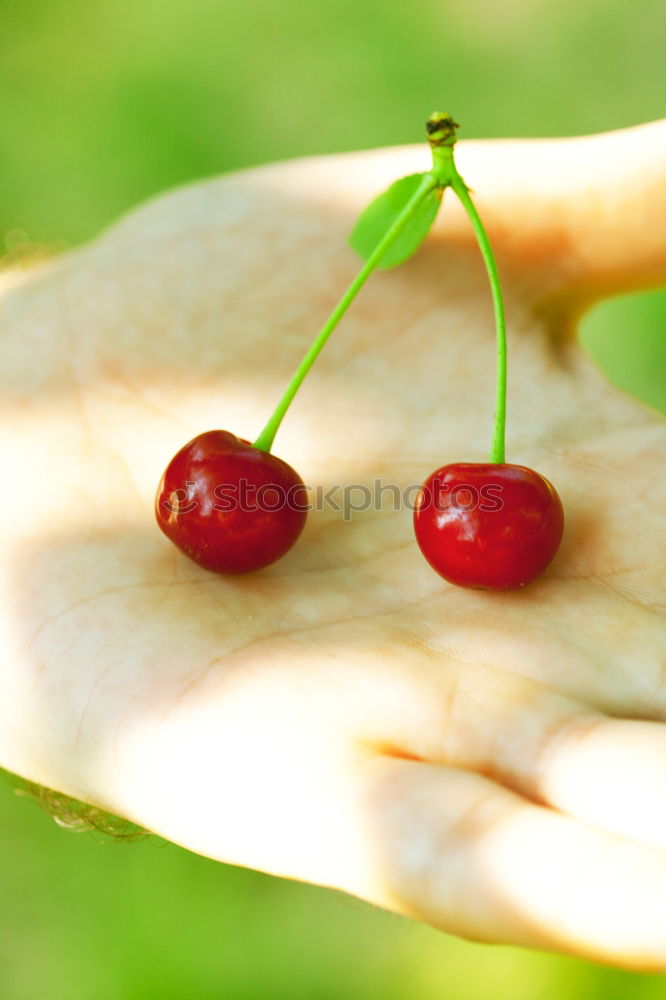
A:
[495,526]
[228,505]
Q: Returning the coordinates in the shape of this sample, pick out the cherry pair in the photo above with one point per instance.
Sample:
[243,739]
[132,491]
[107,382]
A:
[233,507]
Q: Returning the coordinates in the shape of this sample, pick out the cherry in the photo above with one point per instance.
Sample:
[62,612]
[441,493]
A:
[228,505]
[494,525]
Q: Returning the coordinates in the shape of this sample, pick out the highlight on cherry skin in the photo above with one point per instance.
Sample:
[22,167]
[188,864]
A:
[493,526]
[228,505]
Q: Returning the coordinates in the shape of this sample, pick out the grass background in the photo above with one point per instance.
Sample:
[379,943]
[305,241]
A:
[103,104]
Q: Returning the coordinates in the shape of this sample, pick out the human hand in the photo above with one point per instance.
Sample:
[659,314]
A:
[490,763]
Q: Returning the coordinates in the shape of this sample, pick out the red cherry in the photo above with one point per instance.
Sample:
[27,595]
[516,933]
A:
[495,526]
[228,505]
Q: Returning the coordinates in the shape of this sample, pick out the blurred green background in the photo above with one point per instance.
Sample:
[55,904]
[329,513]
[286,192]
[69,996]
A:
[103,104]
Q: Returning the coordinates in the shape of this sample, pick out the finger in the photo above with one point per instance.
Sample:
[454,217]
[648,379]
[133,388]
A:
[526,697]
[608,773]
[611,773]
[461,853]
[605,772]
[579,213]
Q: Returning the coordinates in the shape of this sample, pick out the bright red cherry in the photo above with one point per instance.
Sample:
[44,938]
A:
[495,526]
[231,507]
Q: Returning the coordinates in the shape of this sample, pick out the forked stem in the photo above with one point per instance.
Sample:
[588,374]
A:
[441,130]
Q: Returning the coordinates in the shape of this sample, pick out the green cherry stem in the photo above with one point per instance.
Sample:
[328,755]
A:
[442,136]
[428,183]
[497,452]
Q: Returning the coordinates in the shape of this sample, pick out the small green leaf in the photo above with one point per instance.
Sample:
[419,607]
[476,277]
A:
[381,213]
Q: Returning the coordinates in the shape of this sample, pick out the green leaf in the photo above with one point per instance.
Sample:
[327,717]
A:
[380,215]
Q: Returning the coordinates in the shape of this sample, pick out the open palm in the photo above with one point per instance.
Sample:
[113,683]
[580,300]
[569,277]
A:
[491,763]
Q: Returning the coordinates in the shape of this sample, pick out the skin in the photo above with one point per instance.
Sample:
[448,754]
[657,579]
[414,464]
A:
[490,763]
